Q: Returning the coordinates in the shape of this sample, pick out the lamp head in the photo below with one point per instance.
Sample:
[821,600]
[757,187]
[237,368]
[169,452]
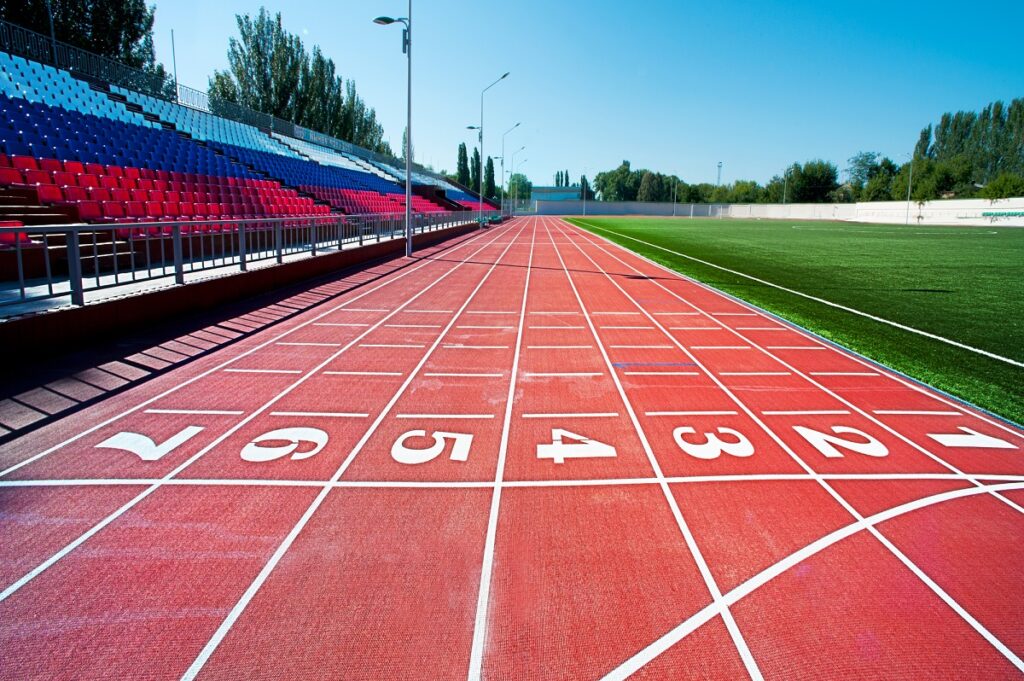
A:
[384,21]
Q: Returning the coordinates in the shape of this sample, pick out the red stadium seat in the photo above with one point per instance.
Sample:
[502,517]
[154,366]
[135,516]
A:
[51,165]
[89,210]
[11,176]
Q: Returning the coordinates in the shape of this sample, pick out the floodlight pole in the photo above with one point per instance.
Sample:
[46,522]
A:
[719,183]
[512,172]
[407,49]
[674,185]
[53,34]
[481,187]
[785,185]
[503,197]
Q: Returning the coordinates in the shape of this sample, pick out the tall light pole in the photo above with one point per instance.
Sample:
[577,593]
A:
[512,172]
[515,169]
[481,129]
[785,185]
[719,183]
[407,49]
[503,160]
[910,185]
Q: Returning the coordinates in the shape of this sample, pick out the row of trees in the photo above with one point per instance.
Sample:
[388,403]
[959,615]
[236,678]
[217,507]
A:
[270,70]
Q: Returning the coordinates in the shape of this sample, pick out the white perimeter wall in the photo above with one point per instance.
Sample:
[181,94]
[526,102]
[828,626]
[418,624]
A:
[965,212]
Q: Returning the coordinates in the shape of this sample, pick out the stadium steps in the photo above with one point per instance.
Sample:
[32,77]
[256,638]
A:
[118,98]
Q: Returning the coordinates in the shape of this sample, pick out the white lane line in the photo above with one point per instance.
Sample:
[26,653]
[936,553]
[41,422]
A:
[391,345]
[844,373]
[816,299]
[695,328]
[920,412]
[809,412]
[112,517]
[496,328]
[197,412]
[559,347]
[363,373]
[312,345]
[684,528]
[676,314]
[661,373]
[353,324]
[412,326]
[463,375]
[325,414]
[557,328]
[460,346]
[690,413]
[583,415]
[754,373]
[566,374]
[719,347]
[263,371]
[254,587]
[828,488]
[732,314]
[870,523]
[431,311]
[489,312]
[467,417]
[629,328]
[794,347]
[487,566]
[641,347]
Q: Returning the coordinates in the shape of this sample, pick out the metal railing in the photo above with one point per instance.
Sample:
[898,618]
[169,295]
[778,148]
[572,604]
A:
[62,264]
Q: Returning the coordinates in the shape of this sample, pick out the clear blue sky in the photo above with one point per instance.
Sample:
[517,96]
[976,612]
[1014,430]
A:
[672,86]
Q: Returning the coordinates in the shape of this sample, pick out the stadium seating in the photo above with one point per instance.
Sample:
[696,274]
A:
[76,146]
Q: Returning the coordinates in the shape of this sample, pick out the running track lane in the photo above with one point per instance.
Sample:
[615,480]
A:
[773,506]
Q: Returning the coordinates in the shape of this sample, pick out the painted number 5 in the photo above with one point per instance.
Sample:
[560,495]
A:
[413,456]
[713,446]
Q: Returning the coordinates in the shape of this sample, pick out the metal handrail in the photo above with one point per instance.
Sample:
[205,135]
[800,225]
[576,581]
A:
[71,260]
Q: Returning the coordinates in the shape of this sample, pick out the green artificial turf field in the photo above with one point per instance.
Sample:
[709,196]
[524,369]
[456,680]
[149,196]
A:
[965,284]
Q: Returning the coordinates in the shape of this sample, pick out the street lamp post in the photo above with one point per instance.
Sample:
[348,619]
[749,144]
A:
[785,185]
[910,186]
[511,173]
[515,169]
[719,183]
[407,49]
[503,198]
[481,129]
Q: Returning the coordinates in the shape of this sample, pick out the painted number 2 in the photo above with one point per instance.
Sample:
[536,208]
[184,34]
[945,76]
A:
[412,456]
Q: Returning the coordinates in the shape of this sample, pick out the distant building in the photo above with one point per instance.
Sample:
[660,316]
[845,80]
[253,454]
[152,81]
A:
[555,194]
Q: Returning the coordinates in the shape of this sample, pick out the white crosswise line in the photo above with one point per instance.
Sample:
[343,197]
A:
[325,414]
[762,328]
[807,412]
[794,347]
[496,328]
[312,345]
[585,415]
[489,312]
[755,373]
[349,324]
[285,544]
[642,347]
[565,374]
[363,373]
[412,326]
[362,309]
[719,347]
[430,311]
[558,328]
[445,416]
[263,371]
[463,375]
[460,346]
[920,412]
[630,328]
[695,328]
[684,528]
[197,412]
[732,314]
[559,313]
[844,373]
[995,642]
[690,413]
[391,345]
[676,314]
[626,314]
[341,307]
[661,373]
[559,347]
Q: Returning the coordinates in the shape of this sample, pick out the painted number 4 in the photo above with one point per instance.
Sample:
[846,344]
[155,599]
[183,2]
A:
[566,445]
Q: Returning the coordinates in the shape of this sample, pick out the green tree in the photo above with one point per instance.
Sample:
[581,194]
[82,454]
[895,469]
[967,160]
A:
[649,189]
[621,184]
[520,187]
[489,179]
[462,166]
[474,170]
[1007,185]
[585,189]
[812,182]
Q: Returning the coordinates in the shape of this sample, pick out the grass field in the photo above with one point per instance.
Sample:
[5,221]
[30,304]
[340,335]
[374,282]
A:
[963,284]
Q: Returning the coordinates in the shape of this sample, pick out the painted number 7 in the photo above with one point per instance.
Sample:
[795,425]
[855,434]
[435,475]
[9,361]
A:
[410,455]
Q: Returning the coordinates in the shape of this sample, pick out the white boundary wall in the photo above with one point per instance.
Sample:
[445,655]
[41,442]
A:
[964,212]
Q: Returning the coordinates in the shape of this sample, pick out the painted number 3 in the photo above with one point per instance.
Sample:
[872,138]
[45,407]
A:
[713,446]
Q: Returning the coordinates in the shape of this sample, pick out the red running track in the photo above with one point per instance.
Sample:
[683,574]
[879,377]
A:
[528,454]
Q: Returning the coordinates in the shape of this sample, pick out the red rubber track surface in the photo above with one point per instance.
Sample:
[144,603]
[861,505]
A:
[528,454]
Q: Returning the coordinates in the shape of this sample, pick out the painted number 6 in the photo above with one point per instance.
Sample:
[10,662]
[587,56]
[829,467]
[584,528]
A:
[257,452]
[713,446]
[412,456]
